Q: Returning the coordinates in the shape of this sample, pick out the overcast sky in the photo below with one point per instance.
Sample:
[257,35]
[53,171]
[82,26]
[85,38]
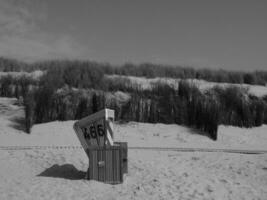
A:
[227,34]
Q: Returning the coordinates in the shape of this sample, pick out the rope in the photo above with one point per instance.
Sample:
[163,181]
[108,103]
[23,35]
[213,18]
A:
[239,151]
[38,147]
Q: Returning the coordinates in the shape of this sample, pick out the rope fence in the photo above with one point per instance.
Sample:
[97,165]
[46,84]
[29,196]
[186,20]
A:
[182,149]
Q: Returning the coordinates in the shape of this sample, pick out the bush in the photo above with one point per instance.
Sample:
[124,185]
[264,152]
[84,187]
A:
[52,98]
[238,108]
[16,86]
[92,71]
[164,104]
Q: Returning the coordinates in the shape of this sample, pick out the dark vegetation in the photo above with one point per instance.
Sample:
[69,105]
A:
[147,70]
[16,86]
[74,89]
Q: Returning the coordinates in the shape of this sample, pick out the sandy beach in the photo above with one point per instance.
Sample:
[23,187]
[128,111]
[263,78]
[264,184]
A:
[58,173]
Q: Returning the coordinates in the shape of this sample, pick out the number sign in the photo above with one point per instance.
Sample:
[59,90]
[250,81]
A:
[96,129]
[95,132]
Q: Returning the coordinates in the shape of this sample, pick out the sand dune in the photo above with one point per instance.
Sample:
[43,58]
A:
[34,75]
[147,83]
[58,173]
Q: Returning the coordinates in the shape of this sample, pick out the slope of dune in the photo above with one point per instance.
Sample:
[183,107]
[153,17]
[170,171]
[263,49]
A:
[147,83]
[57,173]
[34,75]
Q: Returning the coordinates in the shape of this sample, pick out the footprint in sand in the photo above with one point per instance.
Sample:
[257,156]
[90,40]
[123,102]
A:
[209,188]
[195,158]
[223,181]
[185,174]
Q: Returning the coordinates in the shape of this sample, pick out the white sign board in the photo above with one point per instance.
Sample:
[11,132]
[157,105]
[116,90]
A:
[96,129]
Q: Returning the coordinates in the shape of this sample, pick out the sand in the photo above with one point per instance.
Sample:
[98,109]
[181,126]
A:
[34,75]
[51,173]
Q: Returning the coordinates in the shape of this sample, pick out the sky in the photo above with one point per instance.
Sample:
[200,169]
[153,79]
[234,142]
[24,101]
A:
[225,34]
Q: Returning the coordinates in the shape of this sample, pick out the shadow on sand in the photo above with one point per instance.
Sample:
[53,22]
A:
[66,171]
[199,132]
[18,123]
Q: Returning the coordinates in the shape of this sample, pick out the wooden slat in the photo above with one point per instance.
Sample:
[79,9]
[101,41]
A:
[121,164]
[113,169]
[106,166]
[100,168]
[91,167]
[118,169]
[124,152]
[113,166]
[96,165]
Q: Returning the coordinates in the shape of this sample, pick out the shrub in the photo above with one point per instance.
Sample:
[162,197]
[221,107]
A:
[52,98]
